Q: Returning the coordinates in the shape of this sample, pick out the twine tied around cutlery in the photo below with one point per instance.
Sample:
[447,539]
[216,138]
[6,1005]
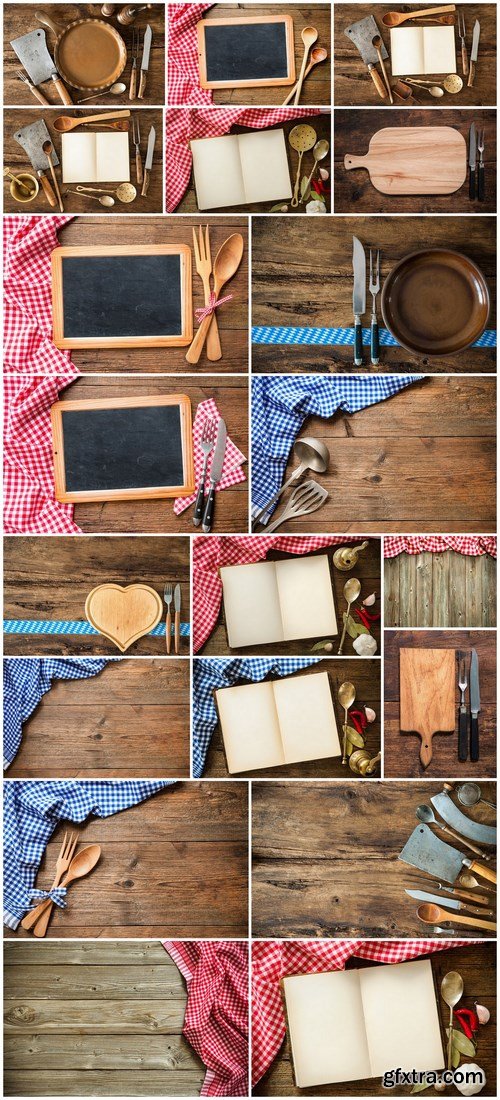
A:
[213,304]
[57,895]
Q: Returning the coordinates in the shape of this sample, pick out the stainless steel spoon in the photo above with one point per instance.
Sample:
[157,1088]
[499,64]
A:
[116,89]
[312,455]
[426,813]
[104,200]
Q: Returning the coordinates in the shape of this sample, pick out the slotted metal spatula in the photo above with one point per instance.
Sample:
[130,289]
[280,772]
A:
[306,498]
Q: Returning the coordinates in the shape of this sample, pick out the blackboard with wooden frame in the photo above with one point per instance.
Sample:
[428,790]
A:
[247,52]
[128,448]
[122,296]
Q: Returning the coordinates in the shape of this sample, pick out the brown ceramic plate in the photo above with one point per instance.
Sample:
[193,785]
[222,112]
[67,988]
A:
[90,54]
[435,302]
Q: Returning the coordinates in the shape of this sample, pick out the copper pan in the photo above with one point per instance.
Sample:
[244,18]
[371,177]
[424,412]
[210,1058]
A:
[89,54]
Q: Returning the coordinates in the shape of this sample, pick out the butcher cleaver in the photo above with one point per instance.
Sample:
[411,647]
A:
[362,34]
[31,49]
[474,830]
[425,851]
[31,138]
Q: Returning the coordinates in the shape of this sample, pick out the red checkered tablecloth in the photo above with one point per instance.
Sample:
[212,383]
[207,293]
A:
[183,72]
[232,473]
[471,545]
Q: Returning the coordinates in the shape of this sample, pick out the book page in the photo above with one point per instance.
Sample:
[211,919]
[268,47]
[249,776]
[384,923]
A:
[439,50]
[250,727]
[251,604]
[264,166]
[306,598]
[217,172]
[326,1028]
[78,155]
[112,157]
[407,51]
[401,1017]
[306,717]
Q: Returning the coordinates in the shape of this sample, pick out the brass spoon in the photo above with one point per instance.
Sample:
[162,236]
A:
[320,151]
[81,864]
[452,988]
[317,55]
[63,123]
[434,914]
[116,89]
[352,588]
[48,149]
[346,696]
[105,200]
[435,91]
[309,36]
[377,43]
[226,264]
[126,192]
[301,138]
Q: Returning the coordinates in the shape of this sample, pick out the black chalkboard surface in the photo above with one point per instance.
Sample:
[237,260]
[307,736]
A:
[122,297]
[246,52]
[125,449]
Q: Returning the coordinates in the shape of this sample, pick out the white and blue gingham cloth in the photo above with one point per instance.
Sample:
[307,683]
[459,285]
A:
[211,673]
[32,810]
[280,405]
[25,681]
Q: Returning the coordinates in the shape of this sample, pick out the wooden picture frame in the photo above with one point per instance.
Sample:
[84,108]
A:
[63,340]
[263,82]
[68,496]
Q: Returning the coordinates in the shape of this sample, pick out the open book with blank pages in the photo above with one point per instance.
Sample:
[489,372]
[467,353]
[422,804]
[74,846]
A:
[239,169]
[278,722]
[95,158]
[350,1025]
[278,601]
[417,51]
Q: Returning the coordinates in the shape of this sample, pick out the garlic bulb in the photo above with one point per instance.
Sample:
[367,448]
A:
[370,600]
[469,1088]
[439,1086]
[370,714]
[482,1013]
[365,645]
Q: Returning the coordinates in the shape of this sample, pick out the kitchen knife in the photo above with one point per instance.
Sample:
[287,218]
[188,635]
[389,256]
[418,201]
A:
[447,903]
[31,138]
[358,298]
[472,161]
[473,53]
[31,49]
[215,475]
[425,850]
[149,160]
[475,707]
[146,49]
[442,888]
[177,621]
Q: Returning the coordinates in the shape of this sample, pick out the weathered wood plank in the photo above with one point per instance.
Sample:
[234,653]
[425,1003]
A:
[103,1083]
[452,590]
[90,952]
[104,1017]
[90,982]
[99,1052]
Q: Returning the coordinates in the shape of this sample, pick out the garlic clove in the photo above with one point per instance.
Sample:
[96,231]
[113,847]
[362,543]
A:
[370,714]
[370,600]
[440,1086]
[482,1013]
[365,645]
[324,173]
[470,1088]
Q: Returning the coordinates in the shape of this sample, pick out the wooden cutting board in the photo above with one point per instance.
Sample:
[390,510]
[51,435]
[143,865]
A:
[421,160]
[123,614]
[427,694]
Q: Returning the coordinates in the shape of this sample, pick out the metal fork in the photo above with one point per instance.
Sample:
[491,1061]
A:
[461,32]
[207,444]
[132,92]
[480,170]
[62,865]
[374,289]
[203,259]
[136,138]
[462,710]
[168,596]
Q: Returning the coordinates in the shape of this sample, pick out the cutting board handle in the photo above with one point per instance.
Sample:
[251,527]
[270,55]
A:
[484,872]
[425,751]
[351,161]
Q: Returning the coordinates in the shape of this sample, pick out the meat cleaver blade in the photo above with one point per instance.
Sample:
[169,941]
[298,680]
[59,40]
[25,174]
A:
[426,851]
[31,138]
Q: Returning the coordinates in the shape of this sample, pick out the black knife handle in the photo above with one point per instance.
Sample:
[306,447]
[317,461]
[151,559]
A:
[209,511]
[480,182]
[463,740]
[358,344]
[375,346]
[472,184]
[198,508]
[474,739]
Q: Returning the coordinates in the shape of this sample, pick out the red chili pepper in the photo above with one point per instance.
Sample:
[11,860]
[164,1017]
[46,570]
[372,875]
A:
[358,719]
[468,1021]
[362,611]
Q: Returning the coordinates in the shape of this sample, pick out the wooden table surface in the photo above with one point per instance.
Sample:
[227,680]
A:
[367,570]
[96,1019]
[302,275]
[111,720]
[321,123]
[157,516]
[353,190]
[50,578]
[173,866]
[325,858]
[399,465]
[19,19]
[401,751]
[365,675]
[232,318]
[16,158]
[446,589]
[477,965]
[316,90]
[354,86]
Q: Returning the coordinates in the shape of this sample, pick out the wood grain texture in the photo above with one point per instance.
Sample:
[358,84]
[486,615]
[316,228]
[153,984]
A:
[445,589]
[399,465]
[353,190]
[477,965]
[353,86]
[401,752]
[106,1017]
[411,160]
[50,578]
[326,863]
[302,275]
[136,517]
[321,123]
[111,720]
[232,319]
[19,161]
[19,19]
[427,694]
[316,90]
[175,865]
[365,675]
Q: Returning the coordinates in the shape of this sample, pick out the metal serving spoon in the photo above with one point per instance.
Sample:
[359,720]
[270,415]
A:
[452,988]
[426,813]
[346,696]
[104,200]
[116,89]
[352,588]
[313,455]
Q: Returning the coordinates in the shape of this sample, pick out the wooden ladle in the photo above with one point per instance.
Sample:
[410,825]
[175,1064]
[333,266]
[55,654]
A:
[309,37]
[434,914]
[48,149]
[226,264]
[395,18]
[63,123]
[81,864]
[318,55]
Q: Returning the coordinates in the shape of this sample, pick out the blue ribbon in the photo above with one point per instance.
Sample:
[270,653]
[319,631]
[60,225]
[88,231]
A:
[72,626]
[343,337]
[57,895]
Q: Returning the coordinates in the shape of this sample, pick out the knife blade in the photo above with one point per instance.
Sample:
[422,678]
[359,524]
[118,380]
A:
[425,850]
[215,475]
[447,903]
[149,160]
[472,161]
[473,53]
[475,707]
[358,297]
[177,621]
[445,888]
[146,49]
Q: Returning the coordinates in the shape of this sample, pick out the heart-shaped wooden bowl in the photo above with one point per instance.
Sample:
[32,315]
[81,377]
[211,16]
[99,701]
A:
[123,614]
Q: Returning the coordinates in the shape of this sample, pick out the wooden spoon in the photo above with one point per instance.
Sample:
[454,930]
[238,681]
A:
[377,43]
[433,914]
[48,149]
[226,264]
[81,864]
[395,18]
[63,123]
[309,37]
[318,55]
